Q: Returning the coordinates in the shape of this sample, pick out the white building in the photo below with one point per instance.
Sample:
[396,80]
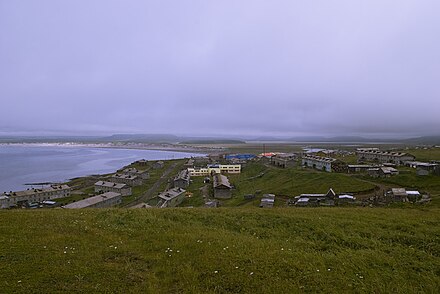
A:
[215,169]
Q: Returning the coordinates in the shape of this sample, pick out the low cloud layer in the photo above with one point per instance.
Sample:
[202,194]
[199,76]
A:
[231,67]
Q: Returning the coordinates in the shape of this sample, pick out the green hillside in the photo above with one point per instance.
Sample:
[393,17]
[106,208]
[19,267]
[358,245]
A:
[280,250]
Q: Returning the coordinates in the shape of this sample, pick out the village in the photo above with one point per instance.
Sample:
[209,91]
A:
[222,179]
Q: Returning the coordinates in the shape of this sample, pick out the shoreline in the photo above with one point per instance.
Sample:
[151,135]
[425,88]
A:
[130,146]
[190,152]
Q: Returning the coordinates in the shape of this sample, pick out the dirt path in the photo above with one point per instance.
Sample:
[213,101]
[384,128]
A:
[150,193]
[378,191]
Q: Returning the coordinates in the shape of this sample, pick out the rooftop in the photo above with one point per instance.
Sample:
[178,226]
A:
[319,158]
[51,188]
[110,184]
[92,200]
[172,193]
[221,180]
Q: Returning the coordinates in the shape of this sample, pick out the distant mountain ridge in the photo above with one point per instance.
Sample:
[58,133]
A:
[173,139]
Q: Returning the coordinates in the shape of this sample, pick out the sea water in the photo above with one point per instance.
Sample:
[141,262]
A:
[23,164]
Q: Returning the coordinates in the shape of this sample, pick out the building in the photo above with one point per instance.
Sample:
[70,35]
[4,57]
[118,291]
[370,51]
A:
[382,172]
[189,163]
[222,187]
[316,199]
[4,201]
[398,158]
[171,198]
[201,160]
[103,187]
[214,169]
[143,174]
[142,162]
[268,200]
[198,171]
[11,199]
[402,195]
[360,168]
[284,160]
[108,199]
[324,163]
[158,165]
[397,194]
[244,157]
[224,168]
[182,180]
[127,179]
[424,168]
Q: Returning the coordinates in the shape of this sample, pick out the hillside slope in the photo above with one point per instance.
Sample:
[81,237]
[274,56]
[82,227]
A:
[280,250]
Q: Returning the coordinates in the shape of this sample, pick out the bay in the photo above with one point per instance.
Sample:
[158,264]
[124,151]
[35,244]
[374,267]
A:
[22,164]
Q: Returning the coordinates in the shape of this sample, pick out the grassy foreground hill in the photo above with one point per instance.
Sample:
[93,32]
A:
[280,250]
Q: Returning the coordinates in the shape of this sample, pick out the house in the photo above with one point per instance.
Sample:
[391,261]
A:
[11,199]
[127,179]
[222,188]
[268,200]
[382,172]
[424,168]
[158,165]
[323,163]
[142,162]
[316,199]
[4,202]
[103,187]
[284,160]
[107,199]
[402,195]
[143,174]
[189,163]
[171,198]
[397,194]
[182,180]
[201,160]
[398,158]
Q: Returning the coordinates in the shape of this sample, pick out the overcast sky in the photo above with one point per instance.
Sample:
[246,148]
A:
[203,67]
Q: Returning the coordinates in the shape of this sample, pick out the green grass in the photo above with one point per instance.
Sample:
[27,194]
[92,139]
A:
[290,182]
[410,180]
[196,198]
[422,154]
[280,250]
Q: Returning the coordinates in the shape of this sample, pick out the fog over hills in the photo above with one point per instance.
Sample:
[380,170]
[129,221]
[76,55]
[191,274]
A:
[173,139]
[220,69]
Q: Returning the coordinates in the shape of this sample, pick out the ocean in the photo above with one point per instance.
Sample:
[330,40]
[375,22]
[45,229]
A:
[23,164]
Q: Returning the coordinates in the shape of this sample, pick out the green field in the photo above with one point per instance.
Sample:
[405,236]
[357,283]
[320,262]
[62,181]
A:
[247,250]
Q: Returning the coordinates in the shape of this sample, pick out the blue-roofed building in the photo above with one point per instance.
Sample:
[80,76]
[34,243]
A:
[240,156]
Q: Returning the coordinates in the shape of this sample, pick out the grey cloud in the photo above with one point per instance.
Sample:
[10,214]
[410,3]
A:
[251,67]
